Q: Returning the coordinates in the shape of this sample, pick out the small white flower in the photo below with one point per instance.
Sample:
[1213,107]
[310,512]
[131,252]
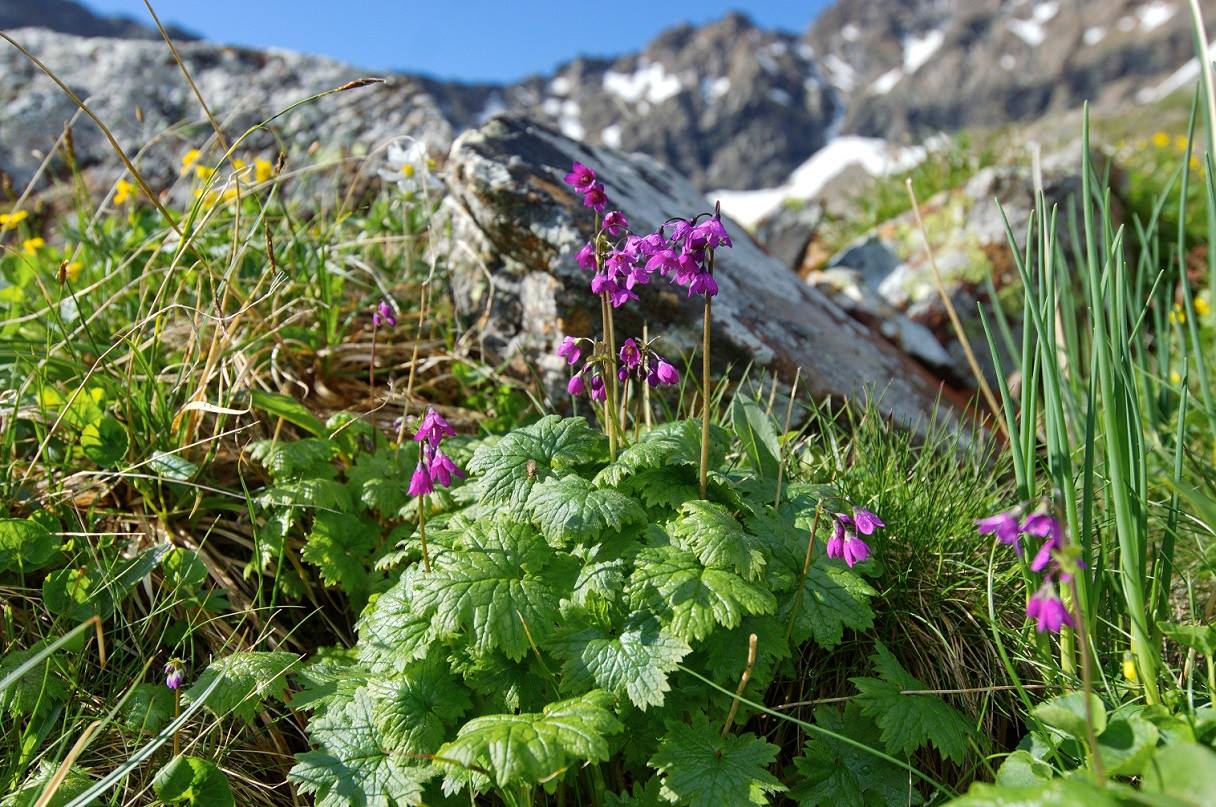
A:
[409,165]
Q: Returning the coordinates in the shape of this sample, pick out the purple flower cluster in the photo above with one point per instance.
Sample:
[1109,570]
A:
[622,260]
[383,315]
[637,360]
[844,542]
[1045,607]
[433,465]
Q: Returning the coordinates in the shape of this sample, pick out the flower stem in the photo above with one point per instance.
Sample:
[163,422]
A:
[608,416]
[177,711]
[705,395]
[426,557]
[371,367]
[806,569]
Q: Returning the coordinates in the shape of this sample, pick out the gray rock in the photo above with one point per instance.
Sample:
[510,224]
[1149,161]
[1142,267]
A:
[873,260]
[787,233]
[518,282]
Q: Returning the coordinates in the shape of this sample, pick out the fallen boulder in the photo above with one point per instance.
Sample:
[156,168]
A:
[517,228]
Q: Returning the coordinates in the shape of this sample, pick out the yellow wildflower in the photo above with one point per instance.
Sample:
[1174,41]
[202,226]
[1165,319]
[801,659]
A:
[237,165]
[122,192]
[407,169]
[203,172]
[1180,143]
[1175,377]
[1178,316]
[189,159]
[1202,307]
[10,220]
[262,170]
[1195,164]
[1161,140]
[73,270]
[30,246]
[1129,668]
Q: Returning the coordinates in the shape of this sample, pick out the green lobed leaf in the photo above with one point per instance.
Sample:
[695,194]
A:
[509,468]
[833,598]
[171,466]
[710,532]
[1055,793]
[492,587]
[1183,771]
[634,661]
[353,764]
[1066,713]
[321,494]
[837,774]
[25,545]
[665,446]
[37,690]
[287,460]
[1023,769]
[698,766]
[105,442]
[690,599]
[528,748]
[340,546]
[246,679]
[148,709]
[569,509]
[192,781]
[392,633]
[910,722]
[415,709]
[1126,744]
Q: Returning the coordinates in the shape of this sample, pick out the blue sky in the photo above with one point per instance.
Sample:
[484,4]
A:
[473,40]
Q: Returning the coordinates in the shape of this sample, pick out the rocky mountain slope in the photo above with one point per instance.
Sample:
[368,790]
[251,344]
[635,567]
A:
[69,17]
[729,105]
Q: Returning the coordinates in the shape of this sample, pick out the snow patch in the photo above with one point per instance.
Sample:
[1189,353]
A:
[919,49]
[1008,62]
[650,82]
[1045,12]
[1029,31]
[766,63]
[887,81]
[840,72]
[1155,14]
[1126,24]
[1093,36]
[560,86]
[850,33]
[611,136]
[805,51]
[875,156]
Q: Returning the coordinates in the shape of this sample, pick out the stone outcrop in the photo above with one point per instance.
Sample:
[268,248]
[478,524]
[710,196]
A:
[516,280]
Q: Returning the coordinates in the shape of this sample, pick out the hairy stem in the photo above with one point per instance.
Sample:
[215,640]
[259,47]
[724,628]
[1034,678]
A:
[743,679]
[426,557]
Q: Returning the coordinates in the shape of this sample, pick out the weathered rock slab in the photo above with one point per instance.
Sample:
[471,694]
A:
[515,274]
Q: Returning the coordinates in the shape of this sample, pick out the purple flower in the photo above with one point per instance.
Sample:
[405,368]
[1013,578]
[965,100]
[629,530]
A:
[855,550]
[631,355]
[575,387]
[665,373]
[443,469]
[866,521]
[433,429]
[1048,611]
[1005,526]
[1043,525]
[175,673]
[680,229]
[615,223]
[602,284]
[1043,556]
[595,197]
[420,482]
[586,256]
[836,542]
[714,233]
[383,315]
[663,261]
[618,263]
[703,284]
[569,350]
[581,178]
[621,295]
[598,392]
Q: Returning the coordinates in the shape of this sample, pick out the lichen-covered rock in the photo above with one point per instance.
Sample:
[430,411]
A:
[517,282]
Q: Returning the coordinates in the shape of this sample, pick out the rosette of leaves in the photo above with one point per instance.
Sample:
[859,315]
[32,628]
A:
[552,642]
